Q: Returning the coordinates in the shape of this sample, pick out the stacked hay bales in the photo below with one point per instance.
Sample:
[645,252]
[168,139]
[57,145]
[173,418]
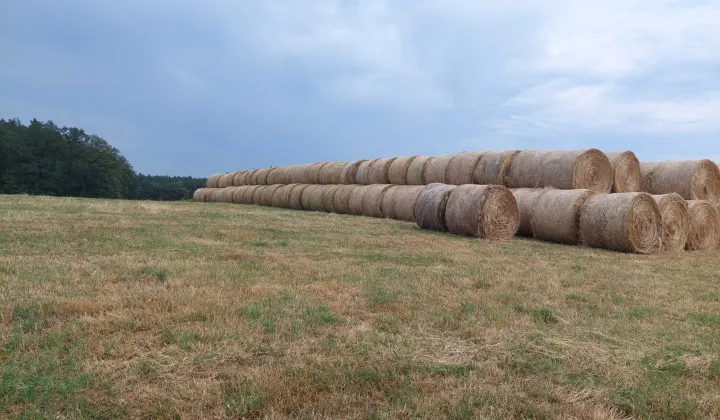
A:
[355,200]
[692,179]
[416,170]
[398,171]
[492,167]
[627,173]
[675,219]
[379,171]
[556,215]
[461,167]
[341,198]
[332,173]
[628,222]
[526,199]
[430,206]
[436,169]
[362,175]
[372,200]
[212,182]
[583,169]
[296,195]
[349,173]
[704,226]
[399,202]
[483,211]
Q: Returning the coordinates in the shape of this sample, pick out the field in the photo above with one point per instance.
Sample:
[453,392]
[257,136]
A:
[122,309]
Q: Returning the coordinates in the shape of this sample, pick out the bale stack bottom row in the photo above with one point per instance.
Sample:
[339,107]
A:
[628,222]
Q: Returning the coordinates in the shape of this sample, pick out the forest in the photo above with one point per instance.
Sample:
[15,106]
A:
[43,159]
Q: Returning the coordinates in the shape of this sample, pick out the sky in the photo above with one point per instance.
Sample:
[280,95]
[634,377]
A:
[199,87]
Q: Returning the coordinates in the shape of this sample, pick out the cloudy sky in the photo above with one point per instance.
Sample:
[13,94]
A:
[198,87]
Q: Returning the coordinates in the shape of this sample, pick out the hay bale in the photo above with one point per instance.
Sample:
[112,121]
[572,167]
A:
[297,174]
[556,215]
[482,211]
[257,194]
[237,195]
[277,176]
[211,195]
[675,220]
[398,171]
[267,194]
[379,172]
[246,197]
[372,200]
[355,200]
[312,172]
[581,169]
[628,222]
[331,173]
[296,196]
[692,179]
[436,169]
[212,182]
[328,197]
[225,195]
[225,180]
[704,227]
[526,199]
[281,198]
[399,202]
[429,211]
[362,176]
[252,177]
[349,172]
[627,175]
[461,168]
[262,176]
[312,198]
[199,194]
[239,179]
[341,198]
[416,170]
[491,168]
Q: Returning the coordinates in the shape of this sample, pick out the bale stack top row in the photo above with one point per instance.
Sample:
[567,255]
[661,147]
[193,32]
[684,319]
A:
[567,170]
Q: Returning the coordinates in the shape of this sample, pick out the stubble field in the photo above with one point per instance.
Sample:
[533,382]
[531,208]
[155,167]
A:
[122,309]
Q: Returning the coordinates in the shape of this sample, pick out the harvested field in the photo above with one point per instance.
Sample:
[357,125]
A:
[125,309]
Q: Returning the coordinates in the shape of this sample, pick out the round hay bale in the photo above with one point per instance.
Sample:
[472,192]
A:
[239,178]
[556,217]
[482,211]
[296,196]
[197,194]
[372,200]
[328,197]
[212,182]
[581,169]
[362,176]
[349,172]
[281,198]
[225,195]
[379,172]
[399,202]
[212,195]
[237,195]
[430,207]
[257,194]
[491,168]
[416,170]
[277,176]
[312,198]
[246,196]
[341,198]
[628,222]
[262,176]
[297,174]
[312,173]
[692,179]
[251,177]
[704,231]
[627,175]
[355,200]
[526,199]
[461,168]
[331,173]
[267,194]
[225,180]
[675,220]
[436,169]
[398,171]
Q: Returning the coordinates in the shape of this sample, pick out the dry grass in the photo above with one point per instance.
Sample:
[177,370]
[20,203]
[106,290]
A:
[115,309]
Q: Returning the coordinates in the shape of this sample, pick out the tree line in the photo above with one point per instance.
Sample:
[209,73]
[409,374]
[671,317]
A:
[43,159]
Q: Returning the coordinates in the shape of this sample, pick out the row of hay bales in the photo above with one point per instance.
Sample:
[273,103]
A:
[566,170]
[629,222]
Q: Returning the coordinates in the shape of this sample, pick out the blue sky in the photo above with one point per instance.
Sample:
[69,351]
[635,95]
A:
[198,87]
